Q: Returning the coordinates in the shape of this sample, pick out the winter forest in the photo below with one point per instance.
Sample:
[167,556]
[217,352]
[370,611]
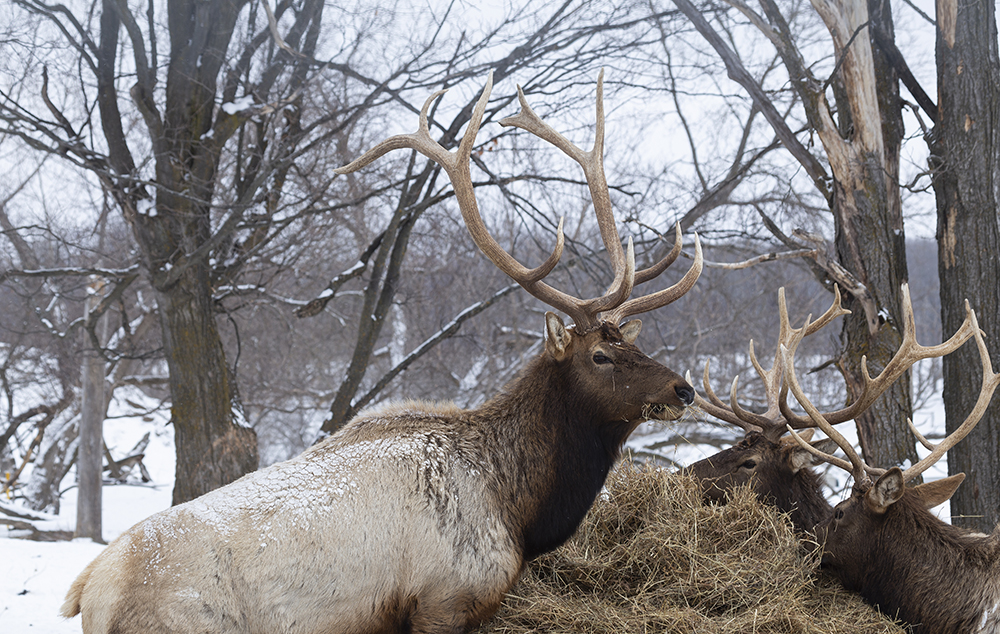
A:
[189,291]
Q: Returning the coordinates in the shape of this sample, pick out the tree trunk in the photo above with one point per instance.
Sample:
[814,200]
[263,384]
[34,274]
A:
[965,156]
[868,246]
[379,294]
[212,448]
[864,157]
[90,458]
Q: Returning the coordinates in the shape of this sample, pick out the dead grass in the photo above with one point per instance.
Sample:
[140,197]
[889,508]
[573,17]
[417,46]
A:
[650,557]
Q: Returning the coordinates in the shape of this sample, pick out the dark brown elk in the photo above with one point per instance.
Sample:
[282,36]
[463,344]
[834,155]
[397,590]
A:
[779,472]
[884,544]
[777,468]
[415,517]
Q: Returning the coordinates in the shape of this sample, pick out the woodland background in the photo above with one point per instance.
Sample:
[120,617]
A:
[172,226]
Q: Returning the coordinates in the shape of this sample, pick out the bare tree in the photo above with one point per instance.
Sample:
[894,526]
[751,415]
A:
[860,136]
[161,136]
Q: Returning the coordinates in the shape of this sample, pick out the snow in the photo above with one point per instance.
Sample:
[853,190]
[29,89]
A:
[243,103]
[34,576]
[145,207]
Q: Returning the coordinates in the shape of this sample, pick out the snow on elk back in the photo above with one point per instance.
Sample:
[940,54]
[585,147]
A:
[415,517]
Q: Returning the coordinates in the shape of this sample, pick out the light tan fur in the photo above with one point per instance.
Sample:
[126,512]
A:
[343,538]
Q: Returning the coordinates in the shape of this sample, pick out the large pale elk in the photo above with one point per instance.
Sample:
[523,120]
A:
[882,542]
[415,517]
[775,466]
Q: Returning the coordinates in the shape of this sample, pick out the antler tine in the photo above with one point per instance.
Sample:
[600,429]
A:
[761,421]
[708,388]
[909,353]
[649,273]
[714,405]
[420,141]
[646,303]
[835,310]
[856,466]
[793,337]
[990,381]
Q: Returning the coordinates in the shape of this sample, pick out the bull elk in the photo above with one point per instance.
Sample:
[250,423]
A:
[414,517]
[775,466]
[882,541]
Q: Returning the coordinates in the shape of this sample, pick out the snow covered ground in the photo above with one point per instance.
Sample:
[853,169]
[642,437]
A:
[34,576]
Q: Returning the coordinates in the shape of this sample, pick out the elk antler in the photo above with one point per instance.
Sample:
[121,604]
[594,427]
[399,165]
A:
[772,423]
[909,353]
[584,313]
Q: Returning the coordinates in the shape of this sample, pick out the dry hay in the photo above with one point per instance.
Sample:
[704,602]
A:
[651,557]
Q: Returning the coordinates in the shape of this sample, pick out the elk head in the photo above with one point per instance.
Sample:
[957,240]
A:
[766,465]
[849,533]
[622,383]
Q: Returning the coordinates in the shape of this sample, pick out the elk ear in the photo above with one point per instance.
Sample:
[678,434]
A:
[557,337]
[799,458]
[805,434]
[886,491]
[630,331]
[939,491]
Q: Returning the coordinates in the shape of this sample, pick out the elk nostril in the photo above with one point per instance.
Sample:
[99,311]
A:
[685,393]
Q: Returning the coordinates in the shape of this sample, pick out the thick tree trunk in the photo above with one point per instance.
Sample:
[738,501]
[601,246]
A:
[212,448]
[868,245]
[871,243]
[965,155]
[864,157]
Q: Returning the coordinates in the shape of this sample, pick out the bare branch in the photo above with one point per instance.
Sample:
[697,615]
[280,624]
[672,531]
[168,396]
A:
[740,75]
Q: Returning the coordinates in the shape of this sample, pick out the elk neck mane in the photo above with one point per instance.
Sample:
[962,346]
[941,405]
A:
[564,452]
[548,451]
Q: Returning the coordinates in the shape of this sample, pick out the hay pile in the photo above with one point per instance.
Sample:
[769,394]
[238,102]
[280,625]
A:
[650,557]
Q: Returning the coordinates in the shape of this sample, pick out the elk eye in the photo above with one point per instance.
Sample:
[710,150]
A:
[600,358]
[748,464]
